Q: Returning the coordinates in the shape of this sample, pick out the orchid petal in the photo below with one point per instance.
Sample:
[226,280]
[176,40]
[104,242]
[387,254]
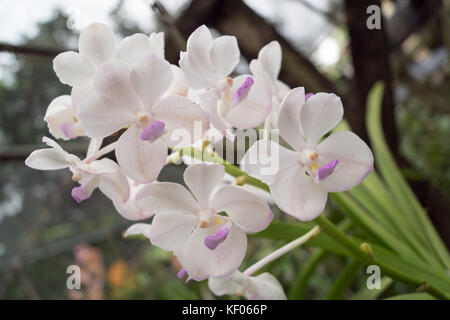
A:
[289,118]
[102,116]
[138,229]
[132,48]
[253,110]
[201,263]
[112,80]
[248,211]
[165,198]
[114,185]
[267,287]
[98,43]
[140,160]
[321,113]
[222,286]
[354,156]
[265,158]
[224,55]
[157,43]
[296,193]
[73,68]
[202,180]
[151,76]
[185,120]
[171,231]
[211,242]
[270,58]
[46,159]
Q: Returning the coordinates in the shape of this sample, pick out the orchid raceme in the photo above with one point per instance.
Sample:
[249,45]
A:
[312,169]
[206,242]
[127,98]
[261,287]
[242,102]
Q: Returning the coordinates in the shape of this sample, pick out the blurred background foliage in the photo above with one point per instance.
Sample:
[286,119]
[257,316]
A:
[43,230]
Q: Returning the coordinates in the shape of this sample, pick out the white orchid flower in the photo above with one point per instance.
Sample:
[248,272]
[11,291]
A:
[130,97]
[269,60]
[61,120]
[306,174]
[104,174]
[207,244]
[243,102]
[261,287]
[98,44]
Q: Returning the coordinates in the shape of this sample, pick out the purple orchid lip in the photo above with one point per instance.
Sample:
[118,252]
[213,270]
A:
[213,241]
[153,131]
[181,273]
[326,170]
[80,194]
[242,92]
[67,130]
[308,95]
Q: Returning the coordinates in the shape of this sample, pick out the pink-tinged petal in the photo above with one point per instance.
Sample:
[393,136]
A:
[81,193]
[171,231]
[270,58]
[165,198]
[289,118]
[157,43]
[73,68]
[202,179]
[253,110]
[185,120]
[98,43]
[248,211]
[60,119]
[297,194]
[112,81]
[114,185]
[201,263]
[132,48]
[153,131]
[224,55]
[138,229]
[46,159]
[321,113]
[181,273]
[308,95]
[102,116]
[140,160]
[88,184]
[143,78]
[242,92]
[211,242]
[94,145]
[195,62]
[354,156]
[267,287]
[265,158]
[326,170]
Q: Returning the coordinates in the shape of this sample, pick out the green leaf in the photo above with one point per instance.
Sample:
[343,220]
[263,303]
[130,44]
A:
[413,296]
[344,280]
[404,196]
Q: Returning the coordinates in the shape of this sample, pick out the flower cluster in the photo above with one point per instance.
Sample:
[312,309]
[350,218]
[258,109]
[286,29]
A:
[128,87]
